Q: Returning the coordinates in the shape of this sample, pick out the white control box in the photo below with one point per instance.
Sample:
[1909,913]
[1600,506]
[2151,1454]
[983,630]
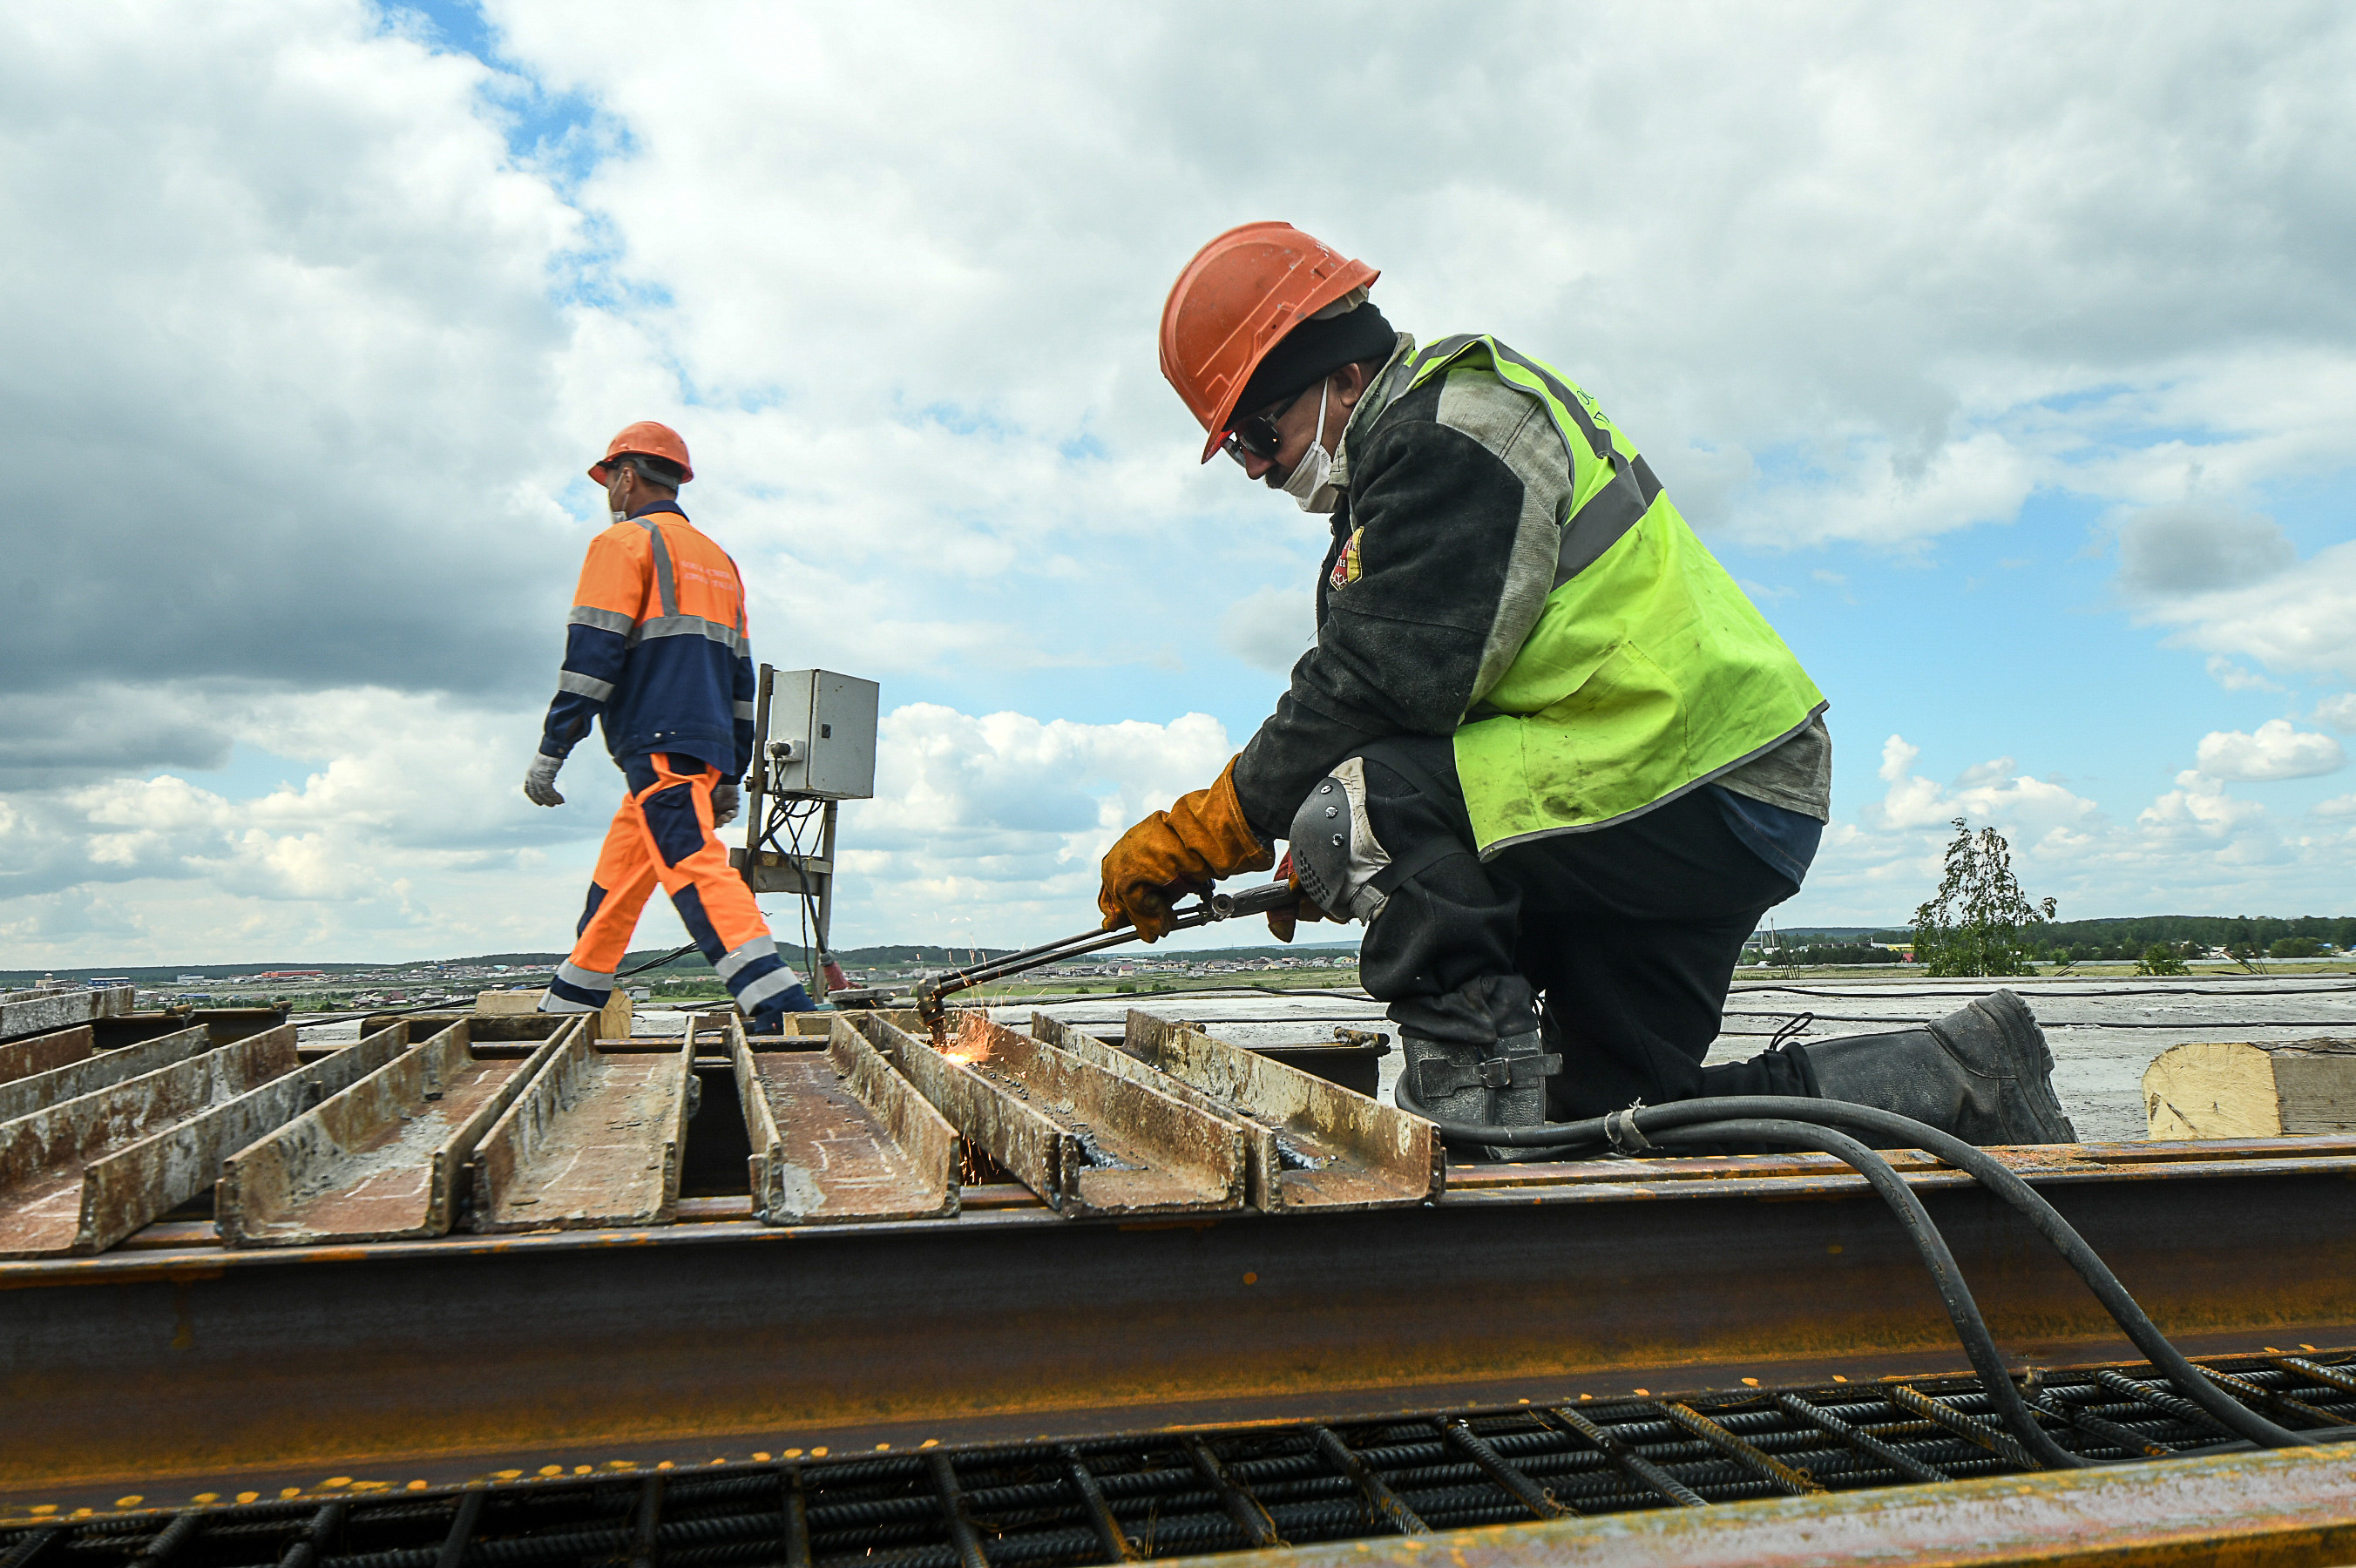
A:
[822,734]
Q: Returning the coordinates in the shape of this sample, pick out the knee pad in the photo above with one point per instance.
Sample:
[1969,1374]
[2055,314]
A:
[1335,850]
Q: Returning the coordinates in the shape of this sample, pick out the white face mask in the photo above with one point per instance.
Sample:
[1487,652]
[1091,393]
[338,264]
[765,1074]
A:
[1306,484]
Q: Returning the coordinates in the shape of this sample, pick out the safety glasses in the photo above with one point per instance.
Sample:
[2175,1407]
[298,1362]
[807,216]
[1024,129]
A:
[1255,434]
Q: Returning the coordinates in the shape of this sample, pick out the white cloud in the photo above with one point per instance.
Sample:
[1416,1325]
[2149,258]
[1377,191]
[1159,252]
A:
[2277,751]
[312,341]
[2338,712]
[414,837]
[2336,808]
[2033,809]
[2234,678]
[2301,622]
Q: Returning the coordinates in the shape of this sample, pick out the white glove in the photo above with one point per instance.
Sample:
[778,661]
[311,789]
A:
[540,780]
[724,802]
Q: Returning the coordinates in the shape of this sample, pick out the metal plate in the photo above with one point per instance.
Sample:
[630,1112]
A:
[838,1136]
[379,1161]
[591,1140]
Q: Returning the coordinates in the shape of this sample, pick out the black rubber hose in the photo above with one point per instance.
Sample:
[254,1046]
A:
[1904,1131]
[1979,1345]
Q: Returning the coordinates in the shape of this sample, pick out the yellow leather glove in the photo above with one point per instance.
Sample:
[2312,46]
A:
[1280,922]
[1202,837]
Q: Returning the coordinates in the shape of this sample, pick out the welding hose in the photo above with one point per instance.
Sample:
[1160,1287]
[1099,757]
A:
[1979,1345]
[1903,1132]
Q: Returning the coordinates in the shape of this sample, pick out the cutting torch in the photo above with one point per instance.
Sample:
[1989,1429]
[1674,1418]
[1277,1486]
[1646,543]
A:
[935,989]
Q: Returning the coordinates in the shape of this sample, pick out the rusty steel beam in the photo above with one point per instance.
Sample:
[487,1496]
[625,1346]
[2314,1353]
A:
[1085,1141]
[2285,1509]
[222,1369]
[92,1070]
[591,1141]
[1336,1148]
[840,1136]
[379,1161]
[46,1011]
[81,1176]
[1263,1162]
[22,1058]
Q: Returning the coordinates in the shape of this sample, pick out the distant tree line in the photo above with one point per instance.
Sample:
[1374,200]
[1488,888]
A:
[2110,941]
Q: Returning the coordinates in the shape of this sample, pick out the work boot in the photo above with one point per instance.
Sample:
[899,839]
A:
[1982,1073]
[769,1018]
[1500,1085]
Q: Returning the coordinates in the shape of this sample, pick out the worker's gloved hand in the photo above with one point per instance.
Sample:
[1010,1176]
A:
[1281,921]
[540,780]
[1202,837]
[724,802]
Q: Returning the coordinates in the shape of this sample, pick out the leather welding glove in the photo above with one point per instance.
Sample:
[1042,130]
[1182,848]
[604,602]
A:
[1280,922]
[540,780]
[724,802]
[1202,837]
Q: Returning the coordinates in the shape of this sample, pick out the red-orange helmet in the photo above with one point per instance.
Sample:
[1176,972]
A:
[1236,301]
[647,439]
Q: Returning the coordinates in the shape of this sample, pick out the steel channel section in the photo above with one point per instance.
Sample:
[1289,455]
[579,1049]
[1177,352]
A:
[466,1354]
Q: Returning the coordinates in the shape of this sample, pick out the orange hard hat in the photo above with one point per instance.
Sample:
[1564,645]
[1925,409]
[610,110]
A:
[1236,301]
[647,439]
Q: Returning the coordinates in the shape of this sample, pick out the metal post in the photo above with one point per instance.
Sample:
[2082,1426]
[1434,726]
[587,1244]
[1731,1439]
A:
[757,781]
[824,917]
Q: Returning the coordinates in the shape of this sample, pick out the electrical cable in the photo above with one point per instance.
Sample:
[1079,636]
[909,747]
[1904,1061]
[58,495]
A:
[1903,1132]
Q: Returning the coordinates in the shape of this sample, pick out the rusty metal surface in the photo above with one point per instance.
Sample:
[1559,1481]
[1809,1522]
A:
[131,1187]
[41,1052]
[95,1070]
[1007,1321]
[1147,1152]
[1263,1159]
[838,1136]
[45,1010]
[379,1161]
[1123,1498]
[2286,1509]
[483,1027]
[1086,1141]
[591,1140]
[47,1159]
[1336,1148]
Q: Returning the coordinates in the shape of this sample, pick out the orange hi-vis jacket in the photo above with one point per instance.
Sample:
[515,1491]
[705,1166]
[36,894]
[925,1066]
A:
[656,645]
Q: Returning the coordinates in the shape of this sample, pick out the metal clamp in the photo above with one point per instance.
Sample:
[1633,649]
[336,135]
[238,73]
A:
[1621,1131]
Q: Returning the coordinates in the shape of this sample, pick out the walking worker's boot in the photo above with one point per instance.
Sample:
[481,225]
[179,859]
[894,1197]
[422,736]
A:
[1983,1072]
[1499,1085]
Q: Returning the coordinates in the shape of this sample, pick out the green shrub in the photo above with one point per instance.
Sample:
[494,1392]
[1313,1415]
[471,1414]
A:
[2160,959]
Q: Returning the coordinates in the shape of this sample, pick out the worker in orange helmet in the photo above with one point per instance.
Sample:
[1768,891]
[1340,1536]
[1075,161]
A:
[656,648]
[1544,746]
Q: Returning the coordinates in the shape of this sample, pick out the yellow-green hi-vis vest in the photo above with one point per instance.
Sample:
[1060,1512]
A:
[1649,672]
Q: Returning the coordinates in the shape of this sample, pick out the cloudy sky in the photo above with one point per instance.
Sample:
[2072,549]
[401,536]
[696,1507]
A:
[2007,354]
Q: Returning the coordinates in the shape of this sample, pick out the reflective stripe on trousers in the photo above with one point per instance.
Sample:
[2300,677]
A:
[662,834]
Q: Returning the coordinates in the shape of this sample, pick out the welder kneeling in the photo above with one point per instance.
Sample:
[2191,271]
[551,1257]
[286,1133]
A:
[1545,747]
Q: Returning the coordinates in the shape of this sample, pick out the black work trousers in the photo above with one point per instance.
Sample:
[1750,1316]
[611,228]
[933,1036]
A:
[1629,934]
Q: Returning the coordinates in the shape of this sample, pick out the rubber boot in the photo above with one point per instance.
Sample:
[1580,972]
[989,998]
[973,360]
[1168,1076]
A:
[1982,1073]
[1501,1084]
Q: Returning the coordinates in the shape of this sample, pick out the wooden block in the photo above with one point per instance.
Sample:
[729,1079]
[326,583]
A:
[2232,1089]
[613,1023]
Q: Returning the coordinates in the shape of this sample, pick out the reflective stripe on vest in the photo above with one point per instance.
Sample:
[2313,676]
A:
[1648,672]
